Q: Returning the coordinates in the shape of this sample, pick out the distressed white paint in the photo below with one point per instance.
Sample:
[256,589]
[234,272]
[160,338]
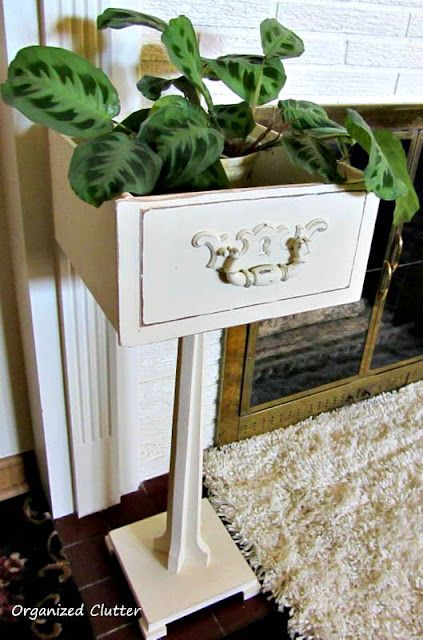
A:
[139,253]
[166,596]
[182,541]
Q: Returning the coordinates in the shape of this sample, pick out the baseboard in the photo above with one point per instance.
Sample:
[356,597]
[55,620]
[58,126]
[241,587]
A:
[13,475]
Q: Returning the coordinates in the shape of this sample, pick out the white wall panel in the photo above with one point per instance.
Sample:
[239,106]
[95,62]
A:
[25,173]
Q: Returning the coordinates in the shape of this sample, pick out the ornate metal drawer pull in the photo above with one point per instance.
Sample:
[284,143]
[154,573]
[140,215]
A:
[259,240]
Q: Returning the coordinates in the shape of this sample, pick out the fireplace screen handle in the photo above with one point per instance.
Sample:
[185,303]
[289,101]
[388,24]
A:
[385,281]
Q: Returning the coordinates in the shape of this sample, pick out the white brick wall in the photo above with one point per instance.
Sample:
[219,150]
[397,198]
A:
[415,27]
[342,17]
[385,52]
[156,380]
[410,84]
[355,50]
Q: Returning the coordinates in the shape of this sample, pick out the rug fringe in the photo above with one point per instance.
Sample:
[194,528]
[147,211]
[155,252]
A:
[226,511]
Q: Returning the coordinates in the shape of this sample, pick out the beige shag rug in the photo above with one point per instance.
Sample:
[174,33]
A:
[329,512]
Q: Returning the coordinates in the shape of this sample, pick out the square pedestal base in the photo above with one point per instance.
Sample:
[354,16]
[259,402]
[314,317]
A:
[163,596]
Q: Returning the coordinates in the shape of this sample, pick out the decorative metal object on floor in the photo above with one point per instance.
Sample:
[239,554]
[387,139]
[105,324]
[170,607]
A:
[34,574]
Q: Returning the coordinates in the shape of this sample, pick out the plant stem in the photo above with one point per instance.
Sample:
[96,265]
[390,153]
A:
[344,151]
[122,126]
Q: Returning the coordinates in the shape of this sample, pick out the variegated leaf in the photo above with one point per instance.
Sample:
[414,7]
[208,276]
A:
[61,90]
[330,133]
[178,107]
[103,168]
[379,175]
[152,87]
[182,47]
[278,41]
[408,204]
[134,120]
[256,79]
[302,114]
[234,120]
[214,177]
[180,135]
[312,155]
[121,18]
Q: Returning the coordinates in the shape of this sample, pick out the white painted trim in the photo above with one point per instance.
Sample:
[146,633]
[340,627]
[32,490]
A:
[93,411]
[34,273]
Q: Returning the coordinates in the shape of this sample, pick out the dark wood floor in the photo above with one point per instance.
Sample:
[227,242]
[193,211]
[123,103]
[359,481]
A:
[100,580]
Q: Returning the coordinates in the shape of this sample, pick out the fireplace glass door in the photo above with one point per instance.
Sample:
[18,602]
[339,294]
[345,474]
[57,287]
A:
[282,370]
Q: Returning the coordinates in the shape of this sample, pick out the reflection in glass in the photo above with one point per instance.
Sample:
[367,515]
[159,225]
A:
[412,232]
[401,331]
[306,350]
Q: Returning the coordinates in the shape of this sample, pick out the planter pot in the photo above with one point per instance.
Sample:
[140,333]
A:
[240,170]
[173,265]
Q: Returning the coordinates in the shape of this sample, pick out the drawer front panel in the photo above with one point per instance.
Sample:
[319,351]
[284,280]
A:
[284,247]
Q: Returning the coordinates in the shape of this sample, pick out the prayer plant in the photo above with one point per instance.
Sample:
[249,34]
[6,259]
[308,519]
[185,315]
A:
[178,143]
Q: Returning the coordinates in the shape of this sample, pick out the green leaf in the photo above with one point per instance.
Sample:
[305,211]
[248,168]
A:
[234,120]
[214,177]
[278,41]
[302,114]
[183,111]
[255,79]
[105,167]
[180,135]
[61,90]
[312,155]
[408,204]
[121,18]
[182,47]
[135,120]
[329,133]
[379,175]
[152,87]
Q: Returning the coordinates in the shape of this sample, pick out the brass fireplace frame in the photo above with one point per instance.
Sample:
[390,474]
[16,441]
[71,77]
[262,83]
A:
[237,419]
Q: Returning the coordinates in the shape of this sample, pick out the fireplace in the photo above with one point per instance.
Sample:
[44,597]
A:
[280,371]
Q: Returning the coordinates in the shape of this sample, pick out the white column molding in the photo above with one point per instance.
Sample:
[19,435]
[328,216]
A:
[92,382]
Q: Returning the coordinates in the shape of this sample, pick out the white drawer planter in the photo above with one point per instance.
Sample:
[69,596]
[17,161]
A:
[145,259]
[177,266]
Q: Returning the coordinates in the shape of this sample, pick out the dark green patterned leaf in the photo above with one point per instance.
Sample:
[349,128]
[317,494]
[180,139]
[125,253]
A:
[105,167]
[134,120]
[234,120]
[182,112]
[302,114]
[255,79]
[182,47]
[312,155]
[408,204]
[152,87]
[278,41]
[61,90]
[121,18]
[180,135]
[329,133]
[379,175]
[214,177]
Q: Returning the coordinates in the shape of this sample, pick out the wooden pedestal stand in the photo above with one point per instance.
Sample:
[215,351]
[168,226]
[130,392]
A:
[222,258]
[178,564]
